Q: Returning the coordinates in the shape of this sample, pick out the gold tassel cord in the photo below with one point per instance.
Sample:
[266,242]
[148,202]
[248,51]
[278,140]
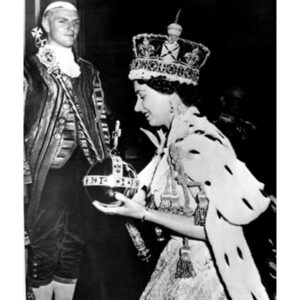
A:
[184,268]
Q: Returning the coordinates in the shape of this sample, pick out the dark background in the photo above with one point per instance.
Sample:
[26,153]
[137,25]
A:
[240,34]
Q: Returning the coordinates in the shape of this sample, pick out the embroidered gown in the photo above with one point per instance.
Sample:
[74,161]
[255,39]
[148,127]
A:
[198,149]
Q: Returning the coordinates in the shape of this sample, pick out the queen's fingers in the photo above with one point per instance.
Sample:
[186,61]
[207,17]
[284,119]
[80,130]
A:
[104,209]
[121,197]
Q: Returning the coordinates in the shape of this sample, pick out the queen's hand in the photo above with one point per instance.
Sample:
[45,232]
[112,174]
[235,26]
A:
[129,208]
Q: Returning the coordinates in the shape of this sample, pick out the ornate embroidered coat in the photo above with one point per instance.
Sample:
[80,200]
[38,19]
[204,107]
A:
[45,107]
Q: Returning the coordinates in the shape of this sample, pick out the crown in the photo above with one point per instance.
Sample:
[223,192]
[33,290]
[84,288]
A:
[167,55]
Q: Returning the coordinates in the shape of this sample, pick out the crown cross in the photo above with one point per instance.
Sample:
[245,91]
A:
[169,52]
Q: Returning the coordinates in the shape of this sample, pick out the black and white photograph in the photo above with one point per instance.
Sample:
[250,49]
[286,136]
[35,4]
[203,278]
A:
[149,150]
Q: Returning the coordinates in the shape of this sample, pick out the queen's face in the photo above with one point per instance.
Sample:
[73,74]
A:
[62,27]
[154,105]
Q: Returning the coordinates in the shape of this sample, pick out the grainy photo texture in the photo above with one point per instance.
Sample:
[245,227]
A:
[150,149]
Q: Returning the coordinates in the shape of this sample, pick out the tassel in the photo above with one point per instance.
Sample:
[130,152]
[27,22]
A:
[184,267]
[201,210]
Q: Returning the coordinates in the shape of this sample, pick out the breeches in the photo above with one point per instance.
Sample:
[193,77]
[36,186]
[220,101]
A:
[56,238]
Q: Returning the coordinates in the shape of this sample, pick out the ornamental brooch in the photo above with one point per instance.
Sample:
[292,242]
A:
[48,58]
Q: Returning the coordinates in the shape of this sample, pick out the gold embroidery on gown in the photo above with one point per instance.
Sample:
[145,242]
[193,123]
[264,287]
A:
[163,285]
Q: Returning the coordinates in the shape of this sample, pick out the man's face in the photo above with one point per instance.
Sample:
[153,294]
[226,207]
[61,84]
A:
[62,27]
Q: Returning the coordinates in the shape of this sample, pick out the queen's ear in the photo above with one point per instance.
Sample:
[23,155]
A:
[177,103]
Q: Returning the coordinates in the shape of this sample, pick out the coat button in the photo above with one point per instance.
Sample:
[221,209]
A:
[57,136]
[66,105]
[62,121]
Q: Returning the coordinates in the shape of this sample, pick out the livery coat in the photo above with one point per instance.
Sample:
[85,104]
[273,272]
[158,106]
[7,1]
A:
[43,109]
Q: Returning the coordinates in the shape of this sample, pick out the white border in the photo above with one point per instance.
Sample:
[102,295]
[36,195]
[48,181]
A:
[288,128]
[12,274]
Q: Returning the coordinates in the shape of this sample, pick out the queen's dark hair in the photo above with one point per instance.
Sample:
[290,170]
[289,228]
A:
[189,94]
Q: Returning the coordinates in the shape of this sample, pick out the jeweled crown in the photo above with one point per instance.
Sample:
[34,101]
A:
[167,55]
